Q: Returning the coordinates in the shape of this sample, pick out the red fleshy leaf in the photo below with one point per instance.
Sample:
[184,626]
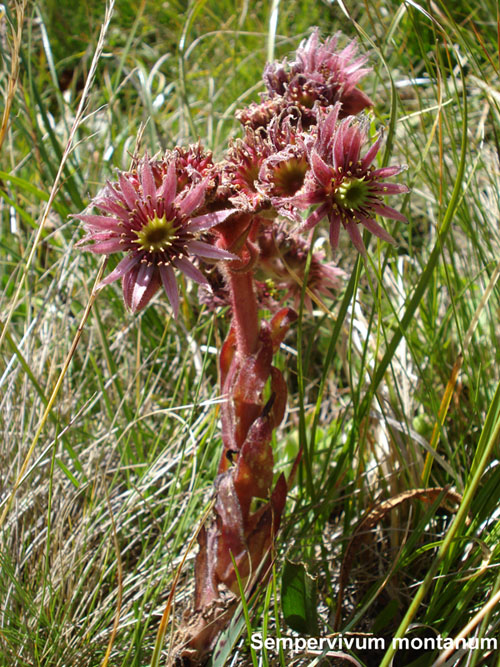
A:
[280,324]
[280,391]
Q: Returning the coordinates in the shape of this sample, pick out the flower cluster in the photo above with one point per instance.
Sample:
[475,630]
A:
[302,147]
[321,74]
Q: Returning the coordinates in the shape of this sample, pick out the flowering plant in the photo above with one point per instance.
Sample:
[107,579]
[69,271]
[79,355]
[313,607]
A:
[304,145]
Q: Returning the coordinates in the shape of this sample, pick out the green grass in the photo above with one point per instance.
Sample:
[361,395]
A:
[104,482]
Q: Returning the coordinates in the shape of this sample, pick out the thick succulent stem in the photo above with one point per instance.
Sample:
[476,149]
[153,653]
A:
[238,536]
[245,311]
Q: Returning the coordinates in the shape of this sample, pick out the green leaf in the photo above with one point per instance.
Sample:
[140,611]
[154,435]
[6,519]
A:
[68,473]
[299,599]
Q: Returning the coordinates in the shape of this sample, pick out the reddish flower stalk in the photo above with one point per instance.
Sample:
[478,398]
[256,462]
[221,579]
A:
[321,75]
[245,310]
[239,539]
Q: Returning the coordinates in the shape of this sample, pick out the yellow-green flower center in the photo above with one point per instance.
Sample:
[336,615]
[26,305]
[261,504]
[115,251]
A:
[290,176]
[157,235]
[353,193]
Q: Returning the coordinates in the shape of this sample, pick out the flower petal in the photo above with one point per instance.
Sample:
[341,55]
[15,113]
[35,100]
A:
[148,182]
[206,250]
[102,222]
[334,230]
[209,220]
[129,192]
[111,206]
[94,235]
[139,285]
[321,170]
[121,269]
[168,188]
[170,285]
[303,199]
[315,217]
[327,131]
[353,231]
[191,271]
[388,188]
[372,152]
[376,229]
[355,100]
[355,137]
[194,198]
[114,192]
[105,247]
[338,147]
[388,212]
[386,172]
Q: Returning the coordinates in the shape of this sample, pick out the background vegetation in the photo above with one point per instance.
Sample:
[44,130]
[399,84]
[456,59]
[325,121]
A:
[107,462]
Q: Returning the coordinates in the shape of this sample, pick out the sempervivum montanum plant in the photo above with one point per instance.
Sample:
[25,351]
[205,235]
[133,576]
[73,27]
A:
[163,214]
